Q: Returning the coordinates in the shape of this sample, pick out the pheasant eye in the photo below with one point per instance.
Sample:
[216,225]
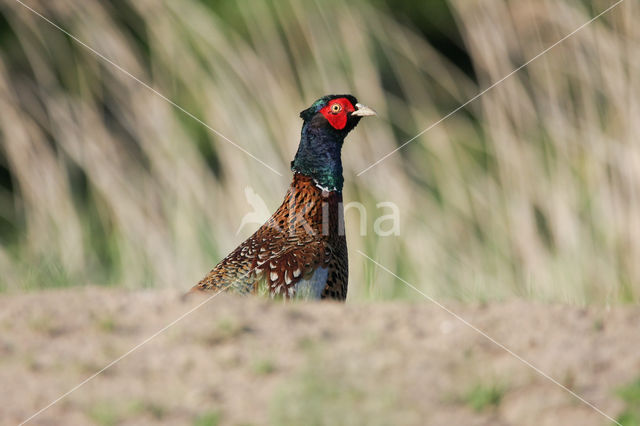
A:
[336,108]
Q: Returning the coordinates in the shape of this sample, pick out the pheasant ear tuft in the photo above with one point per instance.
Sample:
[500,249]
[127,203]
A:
[308,113]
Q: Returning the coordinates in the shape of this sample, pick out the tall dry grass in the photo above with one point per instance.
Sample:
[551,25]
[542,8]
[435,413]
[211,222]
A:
[531,191]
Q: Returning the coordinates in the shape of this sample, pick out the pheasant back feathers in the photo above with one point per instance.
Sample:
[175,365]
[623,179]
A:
[305,234]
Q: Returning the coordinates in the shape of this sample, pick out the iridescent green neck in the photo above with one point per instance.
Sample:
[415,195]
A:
[319,157]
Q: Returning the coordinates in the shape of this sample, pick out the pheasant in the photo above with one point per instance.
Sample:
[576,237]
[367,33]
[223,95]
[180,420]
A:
[301,251]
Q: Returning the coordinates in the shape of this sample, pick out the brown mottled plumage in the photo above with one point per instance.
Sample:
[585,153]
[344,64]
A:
[289,247]
[301,251]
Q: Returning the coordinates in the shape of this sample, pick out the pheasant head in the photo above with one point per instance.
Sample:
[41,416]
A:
[326,123]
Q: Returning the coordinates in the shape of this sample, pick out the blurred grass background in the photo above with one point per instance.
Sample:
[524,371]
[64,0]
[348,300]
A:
[531,191]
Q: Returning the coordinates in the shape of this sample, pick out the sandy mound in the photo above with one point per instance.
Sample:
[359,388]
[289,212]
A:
[249,361]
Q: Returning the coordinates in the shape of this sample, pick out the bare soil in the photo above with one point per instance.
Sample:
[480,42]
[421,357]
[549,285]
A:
[252,361]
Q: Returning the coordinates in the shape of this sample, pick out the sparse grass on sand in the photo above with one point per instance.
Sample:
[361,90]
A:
[312,363]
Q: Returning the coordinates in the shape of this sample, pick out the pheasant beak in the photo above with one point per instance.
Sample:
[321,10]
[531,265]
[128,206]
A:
[363,111]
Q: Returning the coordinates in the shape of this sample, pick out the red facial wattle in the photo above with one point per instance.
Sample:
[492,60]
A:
[338,119]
